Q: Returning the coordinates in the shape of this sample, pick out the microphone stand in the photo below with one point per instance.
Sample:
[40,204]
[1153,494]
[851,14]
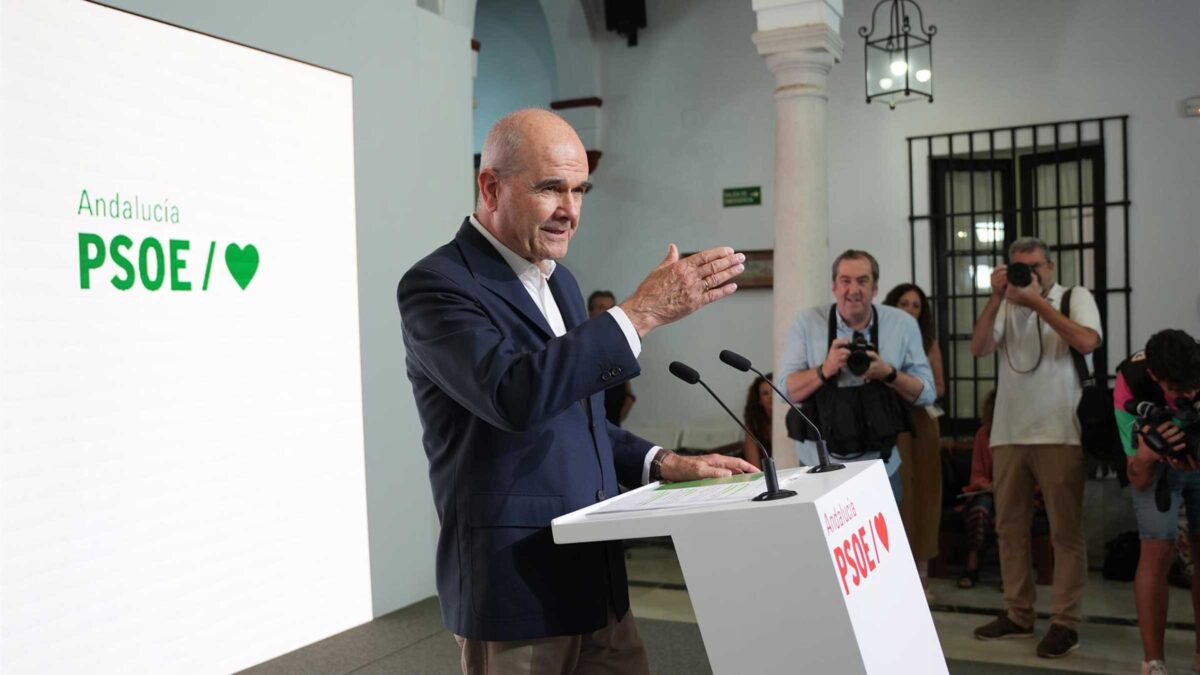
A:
[823,464]
[773,492]
[689,375]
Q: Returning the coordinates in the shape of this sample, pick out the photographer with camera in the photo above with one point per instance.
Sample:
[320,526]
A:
[1155,405]
[855,367]
[1035,436]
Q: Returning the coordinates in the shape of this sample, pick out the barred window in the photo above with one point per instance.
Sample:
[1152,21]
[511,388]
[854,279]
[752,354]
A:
[972,193]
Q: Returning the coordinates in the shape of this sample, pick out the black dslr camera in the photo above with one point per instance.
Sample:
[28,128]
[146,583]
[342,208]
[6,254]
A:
[858,362]
[1020,274]
[1186,416]
[1151,415]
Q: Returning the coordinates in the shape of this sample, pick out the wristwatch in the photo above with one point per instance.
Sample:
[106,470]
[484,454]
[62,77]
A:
[656,465]
[821,374]
[891,376]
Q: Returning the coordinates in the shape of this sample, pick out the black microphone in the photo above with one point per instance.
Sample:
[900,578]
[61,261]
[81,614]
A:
[736,360]
[689,375]
[684,372]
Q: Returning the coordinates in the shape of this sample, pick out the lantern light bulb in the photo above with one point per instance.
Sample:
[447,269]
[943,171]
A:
[899,67]
[885,83]
[923,75]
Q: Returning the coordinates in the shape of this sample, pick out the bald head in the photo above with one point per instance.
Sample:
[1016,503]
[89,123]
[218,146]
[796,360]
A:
[521,133]
[532,177]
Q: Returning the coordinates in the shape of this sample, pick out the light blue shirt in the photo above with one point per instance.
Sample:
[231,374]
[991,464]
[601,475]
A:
[807,345]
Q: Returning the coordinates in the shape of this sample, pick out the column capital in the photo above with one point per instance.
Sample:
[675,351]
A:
[774,14]
[800,57]
[816,39]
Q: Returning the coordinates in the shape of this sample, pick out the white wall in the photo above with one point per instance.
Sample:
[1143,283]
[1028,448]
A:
[689,111]
[1025,61]
[517,68]
[412,101]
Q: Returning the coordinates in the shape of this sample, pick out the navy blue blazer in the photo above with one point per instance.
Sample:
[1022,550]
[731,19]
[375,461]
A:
[515,433]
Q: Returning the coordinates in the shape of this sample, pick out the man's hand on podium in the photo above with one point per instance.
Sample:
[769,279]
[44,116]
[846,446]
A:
[676,468]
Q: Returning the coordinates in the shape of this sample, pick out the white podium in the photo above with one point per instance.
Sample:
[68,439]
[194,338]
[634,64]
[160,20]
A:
[823,582]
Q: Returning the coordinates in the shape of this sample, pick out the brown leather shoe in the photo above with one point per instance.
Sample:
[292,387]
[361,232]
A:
[1002,628]
[1059,641]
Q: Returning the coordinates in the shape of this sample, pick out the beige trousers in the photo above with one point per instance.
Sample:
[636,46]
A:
[615,649]
[1058,470]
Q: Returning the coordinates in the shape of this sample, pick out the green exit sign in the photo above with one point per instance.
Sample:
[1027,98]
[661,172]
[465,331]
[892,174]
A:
[742,196]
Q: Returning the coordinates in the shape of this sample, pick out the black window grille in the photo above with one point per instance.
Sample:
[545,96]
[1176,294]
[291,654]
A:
[972,193]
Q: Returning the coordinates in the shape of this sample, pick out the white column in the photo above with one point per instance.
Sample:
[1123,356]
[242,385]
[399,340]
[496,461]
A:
[800,43]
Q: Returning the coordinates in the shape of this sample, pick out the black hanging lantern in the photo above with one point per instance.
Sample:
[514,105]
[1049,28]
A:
[899,65]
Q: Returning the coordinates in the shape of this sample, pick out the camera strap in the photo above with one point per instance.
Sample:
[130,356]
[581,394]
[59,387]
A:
[855,420]
[833,319]
[1086,377]
[1008,352]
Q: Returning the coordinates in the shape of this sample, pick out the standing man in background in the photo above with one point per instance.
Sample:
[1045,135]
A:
[1035,438]
[815,364]
[618,399]
[508,374]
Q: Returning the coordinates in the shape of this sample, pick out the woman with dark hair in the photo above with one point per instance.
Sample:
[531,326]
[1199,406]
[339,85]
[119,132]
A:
[758,420]
[920,452]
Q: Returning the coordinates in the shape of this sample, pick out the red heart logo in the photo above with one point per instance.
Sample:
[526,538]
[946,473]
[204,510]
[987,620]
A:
[881,530]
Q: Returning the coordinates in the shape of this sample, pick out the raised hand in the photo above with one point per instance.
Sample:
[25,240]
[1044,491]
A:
[879,369]
[1027,296]
[835,360]
[999,280]
[678,287]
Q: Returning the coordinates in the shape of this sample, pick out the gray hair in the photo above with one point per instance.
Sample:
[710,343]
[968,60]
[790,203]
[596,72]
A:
[1027,245]
[855,254]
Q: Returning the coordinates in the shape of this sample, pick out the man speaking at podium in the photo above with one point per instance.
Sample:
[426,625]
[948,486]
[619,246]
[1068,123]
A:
[509,375]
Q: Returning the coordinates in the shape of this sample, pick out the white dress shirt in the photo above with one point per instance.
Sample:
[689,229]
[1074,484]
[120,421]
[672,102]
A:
[535,277]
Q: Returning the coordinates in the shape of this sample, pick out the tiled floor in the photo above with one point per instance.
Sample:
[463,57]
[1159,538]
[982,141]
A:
[656,591]
[412,640]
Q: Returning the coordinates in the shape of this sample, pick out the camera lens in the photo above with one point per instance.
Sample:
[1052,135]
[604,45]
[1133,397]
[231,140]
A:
[1020,275]
[858,362]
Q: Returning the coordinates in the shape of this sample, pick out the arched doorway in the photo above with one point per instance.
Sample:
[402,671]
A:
[517,67]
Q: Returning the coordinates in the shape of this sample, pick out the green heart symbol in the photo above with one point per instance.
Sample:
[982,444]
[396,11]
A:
[242,263]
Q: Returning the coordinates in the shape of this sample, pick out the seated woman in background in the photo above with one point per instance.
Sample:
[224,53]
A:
[981,508]
[920,451]
[758,420]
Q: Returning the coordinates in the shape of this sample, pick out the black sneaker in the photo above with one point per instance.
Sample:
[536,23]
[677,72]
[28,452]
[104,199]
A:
[1002,628]
[1059,641]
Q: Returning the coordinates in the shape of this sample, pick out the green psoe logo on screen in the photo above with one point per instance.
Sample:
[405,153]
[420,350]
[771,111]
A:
[242,263]
[150,262]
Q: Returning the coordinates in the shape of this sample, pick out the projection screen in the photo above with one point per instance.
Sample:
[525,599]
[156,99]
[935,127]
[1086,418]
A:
[181,446]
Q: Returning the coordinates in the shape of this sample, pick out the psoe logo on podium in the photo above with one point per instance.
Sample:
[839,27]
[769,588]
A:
[876,578]
[865,544]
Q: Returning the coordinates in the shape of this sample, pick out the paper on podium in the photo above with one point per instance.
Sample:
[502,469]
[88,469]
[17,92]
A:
[742,487]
